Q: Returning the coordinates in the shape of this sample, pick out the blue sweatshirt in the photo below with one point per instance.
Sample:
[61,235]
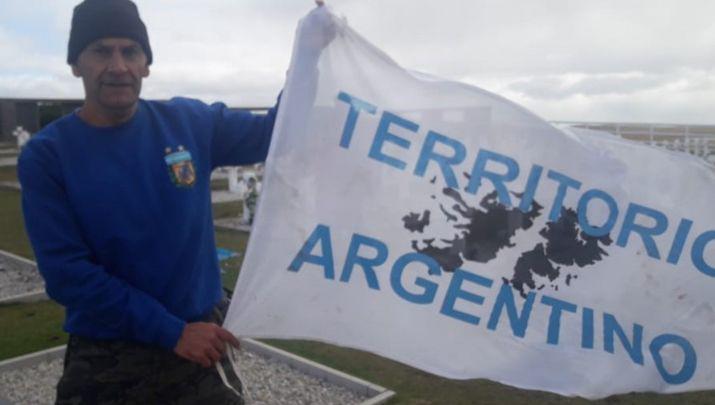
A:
[120,217]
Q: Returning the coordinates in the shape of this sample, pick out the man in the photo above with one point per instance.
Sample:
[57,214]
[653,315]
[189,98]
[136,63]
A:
[116,199]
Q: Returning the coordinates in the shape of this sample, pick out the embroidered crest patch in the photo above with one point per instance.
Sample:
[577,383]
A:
[181,167]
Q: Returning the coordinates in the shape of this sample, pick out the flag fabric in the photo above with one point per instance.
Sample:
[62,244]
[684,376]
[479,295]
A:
[445,227]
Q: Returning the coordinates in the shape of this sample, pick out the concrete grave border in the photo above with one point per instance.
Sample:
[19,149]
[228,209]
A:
[10,185]
[377,394]
[31,359]
[228,224]
[24,265]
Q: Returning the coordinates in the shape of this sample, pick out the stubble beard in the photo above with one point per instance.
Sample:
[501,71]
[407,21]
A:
[119,98]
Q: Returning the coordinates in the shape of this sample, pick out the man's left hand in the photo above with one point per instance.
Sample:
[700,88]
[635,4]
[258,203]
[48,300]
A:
[204,343]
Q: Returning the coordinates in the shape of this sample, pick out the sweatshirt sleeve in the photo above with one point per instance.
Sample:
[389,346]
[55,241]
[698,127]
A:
[240,137]
[244,138]
[72,276]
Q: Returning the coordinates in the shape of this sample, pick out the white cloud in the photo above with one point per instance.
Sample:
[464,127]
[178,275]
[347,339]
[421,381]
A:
[661,99]
[567,85]
[39,86]
[603,60]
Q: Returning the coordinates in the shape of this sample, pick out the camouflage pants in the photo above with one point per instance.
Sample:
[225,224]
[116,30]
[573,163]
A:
[121,372]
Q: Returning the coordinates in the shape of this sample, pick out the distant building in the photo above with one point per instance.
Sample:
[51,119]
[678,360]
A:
[34,114]
[698,140]
[31,114]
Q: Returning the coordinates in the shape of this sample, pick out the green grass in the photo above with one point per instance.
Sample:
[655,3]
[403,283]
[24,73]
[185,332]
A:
[12,235]
[37,326]
[30,327]
[417,387]
[219,184]
[8,173]
[227,209]
[235,241]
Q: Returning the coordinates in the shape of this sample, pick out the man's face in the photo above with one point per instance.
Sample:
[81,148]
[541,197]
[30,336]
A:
[112,70]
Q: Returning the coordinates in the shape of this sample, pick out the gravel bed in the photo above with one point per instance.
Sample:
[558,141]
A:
[14,280]
[31,385]
[268,382]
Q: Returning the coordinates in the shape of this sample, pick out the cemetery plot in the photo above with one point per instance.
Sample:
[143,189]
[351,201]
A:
[269,379]
[18,277]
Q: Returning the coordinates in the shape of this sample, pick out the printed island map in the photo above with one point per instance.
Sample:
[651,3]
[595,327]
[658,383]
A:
[490,228]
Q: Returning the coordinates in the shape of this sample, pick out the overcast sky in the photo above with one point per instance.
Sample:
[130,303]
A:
[578,60]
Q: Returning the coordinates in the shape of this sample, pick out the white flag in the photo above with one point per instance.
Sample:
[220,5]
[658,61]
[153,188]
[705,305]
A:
[445,227]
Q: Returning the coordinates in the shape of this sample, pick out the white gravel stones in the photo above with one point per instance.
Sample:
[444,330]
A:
[272,382]
[16,280]
[31,385]
[268,382]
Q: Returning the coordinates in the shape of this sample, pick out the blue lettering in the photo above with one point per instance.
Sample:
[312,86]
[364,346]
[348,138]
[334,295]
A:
[455,292]
[527,198]
[646,233]
[587,328]
[505,299]
[383,135]
[366,263]
[583,209]
[557,307]
[564,183]
[356,105]
[690,360]
[611,327]
[480,171]
[697,254]
[320,235]
[429,288]
[679,241]
[444,162]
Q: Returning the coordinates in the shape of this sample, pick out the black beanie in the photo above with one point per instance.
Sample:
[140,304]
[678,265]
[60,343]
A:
[95,19]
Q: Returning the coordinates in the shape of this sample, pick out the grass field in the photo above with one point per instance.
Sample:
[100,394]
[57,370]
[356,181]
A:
[227,209]
[219,184]
[31,327]
[235,241]
[12,227]
[8,173]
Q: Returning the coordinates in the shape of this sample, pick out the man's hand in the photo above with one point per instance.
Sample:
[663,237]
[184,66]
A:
[204,343]
[319,28]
